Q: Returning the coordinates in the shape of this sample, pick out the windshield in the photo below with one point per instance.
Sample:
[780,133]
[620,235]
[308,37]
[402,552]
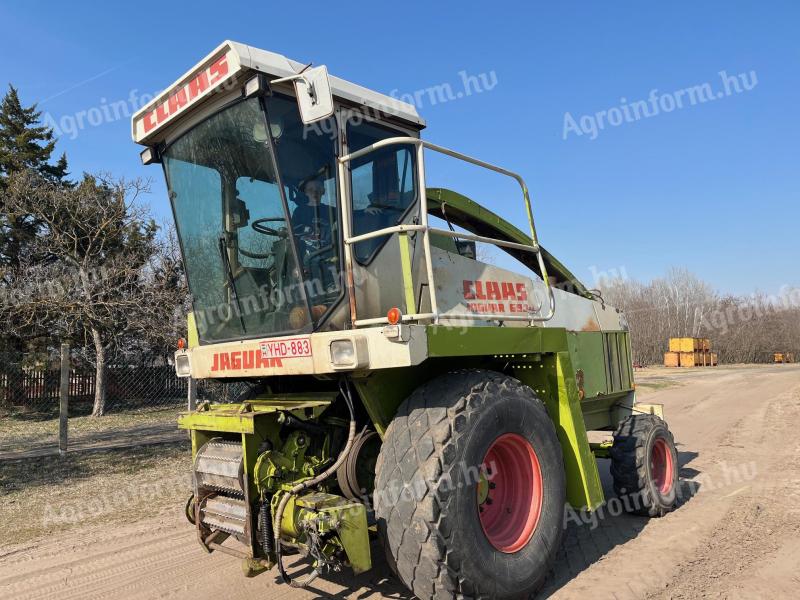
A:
[255,207]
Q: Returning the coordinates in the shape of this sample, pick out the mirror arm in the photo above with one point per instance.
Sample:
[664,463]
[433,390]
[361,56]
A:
[301,79]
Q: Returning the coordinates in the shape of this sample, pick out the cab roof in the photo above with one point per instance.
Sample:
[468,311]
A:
[225,68]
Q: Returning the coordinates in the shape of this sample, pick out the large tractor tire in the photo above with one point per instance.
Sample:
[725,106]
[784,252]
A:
[470,489]
[644,465]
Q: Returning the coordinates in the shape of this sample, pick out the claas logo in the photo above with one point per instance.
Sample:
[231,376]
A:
[495,290]
[186,94]
[496,297]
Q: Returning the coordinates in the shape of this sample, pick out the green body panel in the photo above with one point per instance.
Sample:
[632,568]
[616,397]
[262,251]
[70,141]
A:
[383,391]
[599,412]
[354,536]
[192,333]
[603,374]
[346,518]
[586,349]
[225,423]
[552,377]
[405,265]
[483,341]
[240,418]
[584,489]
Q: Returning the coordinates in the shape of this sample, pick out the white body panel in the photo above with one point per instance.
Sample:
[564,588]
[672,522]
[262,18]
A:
[577,313]
[252,358]
[466,286]
[190,89]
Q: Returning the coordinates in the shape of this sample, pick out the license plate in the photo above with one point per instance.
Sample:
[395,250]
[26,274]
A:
[291,348]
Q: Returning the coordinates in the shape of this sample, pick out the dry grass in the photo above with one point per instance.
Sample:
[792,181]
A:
[21,431]
[43,496]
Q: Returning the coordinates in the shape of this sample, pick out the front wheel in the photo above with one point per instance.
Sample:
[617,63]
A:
[470,489]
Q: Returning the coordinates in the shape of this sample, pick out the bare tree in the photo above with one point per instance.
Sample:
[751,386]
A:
[741,329]
[97,273]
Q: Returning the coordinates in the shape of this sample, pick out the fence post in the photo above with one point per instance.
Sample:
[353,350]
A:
[63,405]
[192,399]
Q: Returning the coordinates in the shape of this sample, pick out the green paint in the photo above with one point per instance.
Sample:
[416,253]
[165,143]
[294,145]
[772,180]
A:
[192,333]
[408,279]
[444,341]
[601,449]
[554,381]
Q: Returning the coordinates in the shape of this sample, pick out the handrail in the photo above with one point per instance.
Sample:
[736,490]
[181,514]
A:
[426,230]
[381,232]
[482,238]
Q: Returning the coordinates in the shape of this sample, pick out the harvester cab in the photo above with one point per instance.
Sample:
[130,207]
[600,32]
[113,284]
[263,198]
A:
[396,384]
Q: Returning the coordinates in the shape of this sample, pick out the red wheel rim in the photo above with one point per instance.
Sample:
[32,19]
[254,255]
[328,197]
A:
[510,493]
[662,466]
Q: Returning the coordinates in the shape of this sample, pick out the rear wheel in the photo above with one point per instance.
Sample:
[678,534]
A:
[470,488]
[644,465]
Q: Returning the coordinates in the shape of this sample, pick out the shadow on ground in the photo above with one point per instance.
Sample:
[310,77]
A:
[584,544]
[379,580]
[587,543]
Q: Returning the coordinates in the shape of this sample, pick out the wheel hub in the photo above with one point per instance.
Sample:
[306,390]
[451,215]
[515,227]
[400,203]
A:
[510,493]
[662,466]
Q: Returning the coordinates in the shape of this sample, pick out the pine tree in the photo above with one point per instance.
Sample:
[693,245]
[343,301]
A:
[25,144]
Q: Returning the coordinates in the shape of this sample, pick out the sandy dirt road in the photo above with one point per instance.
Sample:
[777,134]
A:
[735,535]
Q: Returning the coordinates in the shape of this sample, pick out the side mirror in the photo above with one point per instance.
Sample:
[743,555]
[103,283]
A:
[313,90]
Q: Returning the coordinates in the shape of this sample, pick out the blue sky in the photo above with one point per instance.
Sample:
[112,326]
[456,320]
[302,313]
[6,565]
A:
[712,186]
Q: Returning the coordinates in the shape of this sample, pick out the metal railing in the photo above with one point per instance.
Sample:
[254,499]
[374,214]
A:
[427,230]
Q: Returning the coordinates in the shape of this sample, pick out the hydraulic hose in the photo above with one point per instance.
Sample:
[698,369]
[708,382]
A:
[305,581]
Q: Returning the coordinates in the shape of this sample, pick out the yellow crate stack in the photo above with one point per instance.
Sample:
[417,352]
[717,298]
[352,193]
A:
[690,352]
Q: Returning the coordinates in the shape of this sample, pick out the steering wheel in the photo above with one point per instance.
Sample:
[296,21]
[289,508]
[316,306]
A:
[258,225]
[255,255]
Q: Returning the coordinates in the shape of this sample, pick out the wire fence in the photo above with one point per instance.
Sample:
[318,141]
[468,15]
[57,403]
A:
[127,388]
[140,405]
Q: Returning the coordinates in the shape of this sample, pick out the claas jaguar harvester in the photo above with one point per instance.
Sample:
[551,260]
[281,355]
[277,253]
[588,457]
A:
[397,387]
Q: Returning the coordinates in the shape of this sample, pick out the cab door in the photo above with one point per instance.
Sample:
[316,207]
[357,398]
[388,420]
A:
[383,191]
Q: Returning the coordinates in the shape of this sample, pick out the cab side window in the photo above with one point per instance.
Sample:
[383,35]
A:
[383,185]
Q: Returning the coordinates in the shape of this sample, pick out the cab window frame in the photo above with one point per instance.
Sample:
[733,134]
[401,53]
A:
[394,131]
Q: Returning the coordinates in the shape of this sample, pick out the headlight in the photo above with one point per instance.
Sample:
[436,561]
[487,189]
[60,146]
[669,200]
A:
[183,367]
[350,353]
[343,353]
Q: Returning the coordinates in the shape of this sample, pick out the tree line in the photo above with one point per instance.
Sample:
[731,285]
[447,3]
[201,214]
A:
[742,329]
